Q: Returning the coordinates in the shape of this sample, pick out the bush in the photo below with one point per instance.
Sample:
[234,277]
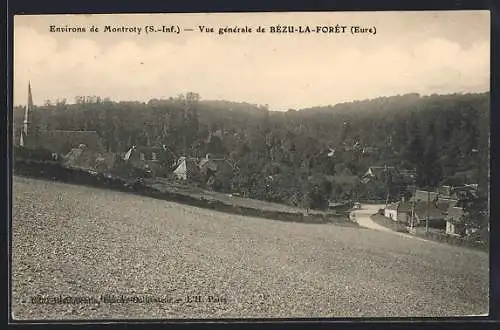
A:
[32,154]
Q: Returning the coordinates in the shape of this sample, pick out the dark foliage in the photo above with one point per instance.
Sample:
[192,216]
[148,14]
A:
[287,156]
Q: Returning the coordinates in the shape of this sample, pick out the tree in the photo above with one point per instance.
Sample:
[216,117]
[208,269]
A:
[444,137]
[430,169]
[476,210]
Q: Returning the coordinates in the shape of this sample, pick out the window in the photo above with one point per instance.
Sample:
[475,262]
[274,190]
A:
[142,156]
[153,156]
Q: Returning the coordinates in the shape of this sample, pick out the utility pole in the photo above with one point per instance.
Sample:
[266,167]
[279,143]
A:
[427,216]
[412,220]
[387,183]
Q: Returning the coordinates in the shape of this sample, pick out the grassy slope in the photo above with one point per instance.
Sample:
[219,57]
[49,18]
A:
[76,241]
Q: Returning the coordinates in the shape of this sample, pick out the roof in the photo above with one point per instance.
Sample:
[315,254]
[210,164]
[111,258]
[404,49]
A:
[186,164]
[87,159]
[149,149]
[445,190]
[369,149]
[392,206]
[455,214]
[405,207]
[378,170]
[423,195]
[209,164]
[400,206]
[447,201]
[135,151]
[422,209]
[217,165]
[63,142]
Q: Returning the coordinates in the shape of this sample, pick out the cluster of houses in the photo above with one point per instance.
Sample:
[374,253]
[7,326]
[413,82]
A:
[439,210]
[83,149]
[184,168]
[436,209]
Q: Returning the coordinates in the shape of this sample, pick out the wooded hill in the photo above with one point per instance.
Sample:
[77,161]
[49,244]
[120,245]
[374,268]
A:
[302,156]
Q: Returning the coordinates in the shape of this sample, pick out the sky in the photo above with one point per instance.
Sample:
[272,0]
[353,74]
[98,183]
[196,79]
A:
[411,52]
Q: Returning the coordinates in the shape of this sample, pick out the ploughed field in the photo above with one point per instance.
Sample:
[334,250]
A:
[120,255]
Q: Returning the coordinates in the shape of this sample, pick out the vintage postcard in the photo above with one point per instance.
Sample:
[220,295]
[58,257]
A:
[250,165]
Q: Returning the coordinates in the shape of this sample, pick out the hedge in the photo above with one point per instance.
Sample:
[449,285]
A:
[55,171]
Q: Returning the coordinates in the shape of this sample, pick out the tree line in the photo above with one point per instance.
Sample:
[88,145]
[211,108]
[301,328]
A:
[300,157]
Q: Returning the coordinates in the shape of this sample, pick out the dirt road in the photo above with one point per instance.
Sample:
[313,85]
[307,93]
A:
[364,220]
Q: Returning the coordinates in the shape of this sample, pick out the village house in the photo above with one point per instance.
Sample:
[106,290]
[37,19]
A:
[378,172]
[442,206]
[424,196]
[148,158]
[443,194]
[447,193]
[369,150]
[399,211]
[186,169]
[455,221]
[465,191]
[432,213]
[215,166]
[402,211]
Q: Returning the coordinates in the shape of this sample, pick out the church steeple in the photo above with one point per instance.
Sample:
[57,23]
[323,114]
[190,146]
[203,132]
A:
[26,123]
[29,107]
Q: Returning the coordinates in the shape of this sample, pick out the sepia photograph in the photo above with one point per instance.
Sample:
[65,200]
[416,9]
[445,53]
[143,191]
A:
[250,166]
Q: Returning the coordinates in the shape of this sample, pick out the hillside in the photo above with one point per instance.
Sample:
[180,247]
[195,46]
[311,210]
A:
[92,242]
[283,156]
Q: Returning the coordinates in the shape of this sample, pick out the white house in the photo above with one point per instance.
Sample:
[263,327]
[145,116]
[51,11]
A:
[398,211]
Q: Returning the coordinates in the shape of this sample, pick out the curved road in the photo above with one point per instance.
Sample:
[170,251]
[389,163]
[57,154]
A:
[363,218]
